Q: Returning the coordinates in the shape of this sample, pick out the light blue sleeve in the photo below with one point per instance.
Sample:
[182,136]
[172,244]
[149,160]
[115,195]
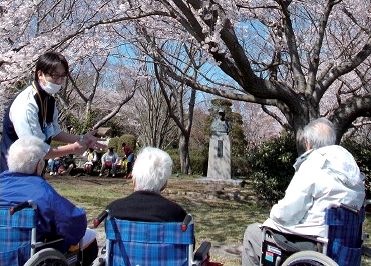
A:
[24,115]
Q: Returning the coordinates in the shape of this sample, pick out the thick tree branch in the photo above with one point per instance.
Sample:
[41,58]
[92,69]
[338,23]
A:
[276,117]
[292,46]
[348,112]
[116,109]
[345,67]
[314,61]
[76,88]
[167,99]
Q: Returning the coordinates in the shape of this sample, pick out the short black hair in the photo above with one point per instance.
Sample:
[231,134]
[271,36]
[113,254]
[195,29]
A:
[123,144]
[49,62]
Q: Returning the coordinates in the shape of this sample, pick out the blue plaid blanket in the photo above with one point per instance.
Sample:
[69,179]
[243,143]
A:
[148,243]
[345,235]
[15,236]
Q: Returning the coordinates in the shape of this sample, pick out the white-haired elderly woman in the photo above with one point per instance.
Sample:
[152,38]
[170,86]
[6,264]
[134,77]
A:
[151,171]
[57,216]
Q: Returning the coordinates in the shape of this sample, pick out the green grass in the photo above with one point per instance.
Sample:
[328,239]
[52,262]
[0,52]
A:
[219,216]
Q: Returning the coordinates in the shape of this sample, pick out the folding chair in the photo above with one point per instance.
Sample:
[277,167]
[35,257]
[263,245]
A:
[342,246]
[151,243]
[18,245]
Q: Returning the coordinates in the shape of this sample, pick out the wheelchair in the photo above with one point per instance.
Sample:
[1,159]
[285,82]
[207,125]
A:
[151,243]
[18,245]
[341,247]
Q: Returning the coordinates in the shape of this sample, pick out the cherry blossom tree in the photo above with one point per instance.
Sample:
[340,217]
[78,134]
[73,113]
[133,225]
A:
[149,109]
[303,58]
[291,55]
[83,32]
[177,96]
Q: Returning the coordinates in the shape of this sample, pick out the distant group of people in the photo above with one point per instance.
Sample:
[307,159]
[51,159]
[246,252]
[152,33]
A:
[324,174]
[110,161]
[61,165]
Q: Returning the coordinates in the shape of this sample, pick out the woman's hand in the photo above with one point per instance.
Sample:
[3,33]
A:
[91,141]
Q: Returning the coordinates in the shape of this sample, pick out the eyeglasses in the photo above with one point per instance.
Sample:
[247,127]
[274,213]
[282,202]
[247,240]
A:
[57,76]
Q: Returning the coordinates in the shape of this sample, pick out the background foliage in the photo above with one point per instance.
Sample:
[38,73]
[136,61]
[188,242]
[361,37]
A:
[116,142]
[271,167]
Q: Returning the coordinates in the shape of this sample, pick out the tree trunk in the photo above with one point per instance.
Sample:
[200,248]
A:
[184,154]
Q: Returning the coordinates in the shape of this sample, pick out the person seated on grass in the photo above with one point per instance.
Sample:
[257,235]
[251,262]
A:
[57,166]
[109,161]
[92,159]
[130,158]
[151,171]
[325,174]
[53,165]
[57,217]
[69,164]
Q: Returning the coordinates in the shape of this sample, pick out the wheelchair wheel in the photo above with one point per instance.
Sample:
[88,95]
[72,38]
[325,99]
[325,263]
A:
[304,258]
[48,256]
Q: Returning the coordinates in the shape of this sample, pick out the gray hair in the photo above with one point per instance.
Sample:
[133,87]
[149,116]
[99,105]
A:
[320,133]
[151,169]
[25,153]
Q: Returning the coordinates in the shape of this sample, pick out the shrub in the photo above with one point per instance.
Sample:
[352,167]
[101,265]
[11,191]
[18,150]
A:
[197,157]
[271,165]
[116,143]
[175,157]
[240,166]
[362,155]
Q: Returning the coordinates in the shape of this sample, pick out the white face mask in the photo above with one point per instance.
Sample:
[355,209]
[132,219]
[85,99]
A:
[51,88]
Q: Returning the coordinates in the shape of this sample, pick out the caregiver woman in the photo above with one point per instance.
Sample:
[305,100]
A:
[33,112]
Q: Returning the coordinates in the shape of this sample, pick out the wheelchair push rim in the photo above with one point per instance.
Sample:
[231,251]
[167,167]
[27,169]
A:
[48,256]
[313,258]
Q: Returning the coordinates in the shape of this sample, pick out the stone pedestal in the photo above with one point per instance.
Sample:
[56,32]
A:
[219,164]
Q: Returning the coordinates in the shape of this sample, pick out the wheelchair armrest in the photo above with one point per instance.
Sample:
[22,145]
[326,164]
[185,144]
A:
[288,242]
[46,244]
[22,205]
[202,251]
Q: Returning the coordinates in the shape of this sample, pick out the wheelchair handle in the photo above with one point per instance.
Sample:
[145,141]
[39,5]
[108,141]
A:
[21,206]
[100,218]
[186,222]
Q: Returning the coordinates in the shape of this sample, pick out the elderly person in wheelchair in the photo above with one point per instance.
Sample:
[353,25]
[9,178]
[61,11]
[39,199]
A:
[326,175]
[56,217]
[150,174]
[145,228]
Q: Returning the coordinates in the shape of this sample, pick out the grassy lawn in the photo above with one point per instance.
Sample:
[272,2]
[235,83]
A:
[221,212]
